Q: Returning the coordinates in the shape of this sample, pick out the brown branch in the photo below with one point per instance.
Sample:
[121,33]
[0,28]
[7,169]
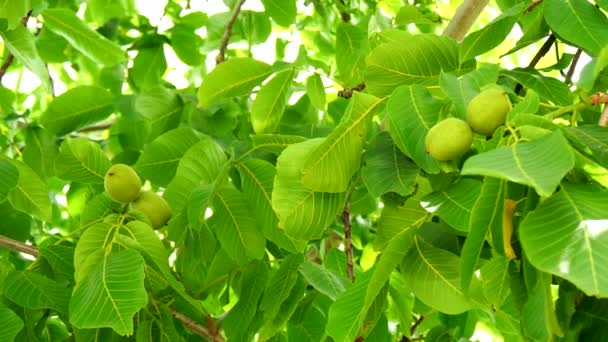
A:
[195,327]
[347,93]
[539,55]
[465,16]
[7,63]
[416,324]
[228,32]
[18,246]
[570,73]
[603,122]
[533,5]
[348,239]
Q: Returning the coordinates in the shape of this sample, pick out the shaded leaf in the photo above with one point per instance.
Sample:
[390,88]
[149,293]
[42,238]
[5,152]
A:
[31,194]
[269,104]
[81,160]
[35,291]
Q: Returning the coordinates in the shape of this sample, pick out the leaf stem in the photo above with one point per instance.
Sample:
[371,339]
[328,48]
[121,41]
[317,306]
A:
[228,32]
[564,110]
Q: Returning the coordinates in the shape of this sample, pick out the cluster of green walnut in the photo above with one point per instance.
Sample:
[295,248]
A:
[123,185]
[450,138]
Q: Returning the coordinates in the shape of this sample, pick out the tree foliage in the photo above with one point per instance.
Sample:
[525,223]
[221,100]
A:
[288,139]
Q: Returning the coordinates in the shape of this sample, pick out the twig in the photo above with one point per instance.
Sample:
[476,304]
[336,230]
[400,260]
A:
[539,55]
[577,55]
[465,16]
[348,239]
[347,93]
[343,14]
[533,5]
[7,63]
[195,327]
[18,246]
[416,324]
[228,32]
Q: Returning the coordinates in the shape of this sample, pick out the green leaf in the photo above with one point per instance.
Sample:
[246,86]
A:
[186,44]
[495,280]
[97,237]
[491,35]
[159,161]
[394,220]
[454,204]
[201,164]
[549,88]
[303,213]
[269,104]
[282,11]
[61,259]
[77,108]
[578,22]
[257,177]
[104,297]
[31,194]
[285,313]
[421,60]
[351,49]
[80,35]
[149,67]
[316,91]
[98,207]
[35,291]
[240,317]
[574,247]
[10,325]
[541,163]
[149,242]
[592,139]
[234,77]
[9,176]
[347,314]
[434,278]
[387,169]
[14,11]
[81,160]
[40,151]
[235,226]
[412,111]
[161,107]
[21,43]
[330,166]
[323,279]
[273,143]
[486,215]
[279,286]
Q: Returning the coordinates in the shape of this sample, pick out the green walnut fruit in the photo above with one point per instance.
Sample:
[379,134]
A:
[448,139]
[122,183]
[488,110]
[154,207]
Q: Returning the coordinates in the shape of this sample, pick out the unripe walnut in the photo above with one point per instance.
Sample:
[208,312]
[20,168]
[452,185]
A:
[122,183]
[154,207]
[448,139]
[488,110]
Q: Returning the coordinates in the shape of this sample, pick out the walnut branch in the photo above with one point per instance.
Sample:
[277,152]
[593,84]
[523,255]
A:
[18,246]
[348,239]
[228,32]
[539,55]
[465,16]
[195,327]
[570,73]
[188,322]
